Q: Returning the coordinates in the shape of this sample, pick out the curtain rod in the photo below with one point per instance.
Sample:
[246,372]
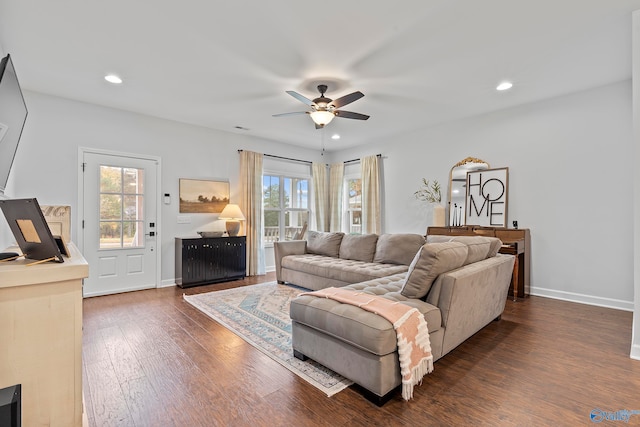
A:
[304,161]
[283,158]
[357,160]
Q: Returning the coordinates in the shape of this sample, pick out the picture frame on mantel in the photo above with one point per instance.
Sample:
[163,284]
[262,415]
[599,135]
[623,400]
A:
[487,197]
[203,195]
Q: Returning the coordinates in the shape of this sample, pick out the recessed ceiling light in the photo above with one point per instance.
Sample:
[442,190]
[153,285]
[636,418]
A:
[112,78]
[504,86]
[335,136]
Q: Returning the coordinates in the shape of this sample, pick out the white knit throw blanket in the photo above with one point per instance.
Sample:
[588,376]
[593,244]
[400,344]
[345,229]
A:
[414,348]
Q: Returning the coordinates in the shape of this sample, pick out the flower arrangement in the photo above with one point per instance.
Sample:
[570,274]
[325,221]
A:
[429,192]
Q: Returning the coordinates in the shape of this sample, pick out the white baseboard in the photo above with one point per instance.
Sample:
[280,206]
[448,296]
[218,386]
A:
[583,299]
[117,291]
[167,283]
[635,352]
[270,268]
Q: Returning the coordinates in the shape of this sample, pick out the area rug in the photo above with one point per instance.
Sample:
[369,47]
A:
[259,314]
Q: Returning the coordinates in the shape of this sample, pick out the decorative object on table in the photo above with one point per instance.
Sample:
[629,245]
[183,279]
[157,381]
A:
[208,234]
[259,314]
[59,220]
[456,215]
[203,196]
[487,197]
[457,187]
[233,215]
[30,230]
[431,193]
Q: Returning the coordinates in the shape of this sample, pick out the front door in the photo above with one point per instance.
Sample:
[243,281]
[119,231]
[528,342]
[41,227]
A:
[119,223]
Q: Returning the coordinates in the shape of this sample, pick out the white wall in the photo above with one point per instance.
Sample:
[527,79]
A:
[46,164]
[570,175]
[570,181]
[635,339]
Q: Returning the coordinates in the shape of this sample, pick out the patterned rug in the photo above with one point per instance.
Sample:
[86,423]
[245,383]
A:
[259,314]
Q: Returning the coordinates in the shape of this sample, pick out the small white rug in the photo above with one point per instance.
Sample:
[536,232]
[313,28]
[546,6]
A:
[259,314]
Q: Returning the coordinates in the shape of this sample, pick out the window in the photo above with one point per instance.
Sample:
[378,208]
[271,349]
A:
[121,203]
[286,207]
[353,205]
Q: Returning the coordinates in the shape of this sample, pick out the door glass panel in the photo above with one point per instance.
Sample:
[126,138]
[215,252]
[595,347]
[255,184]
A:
[133,207]
[132,232]
[133,181]
[110,206]
[110,235]
[110,179]
[121,207]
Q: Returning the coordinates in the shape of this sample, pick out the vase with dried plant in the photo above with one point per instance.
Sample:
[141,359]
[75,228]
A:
[431,192]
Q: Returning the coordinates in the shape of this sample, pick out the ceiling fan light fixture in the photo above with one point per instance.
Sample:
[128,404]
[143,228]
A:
[322,117]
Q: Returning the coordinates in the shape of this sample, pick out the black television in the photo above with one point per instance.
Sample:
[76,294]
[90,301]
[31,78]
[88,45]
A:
[11,406]
[13,115]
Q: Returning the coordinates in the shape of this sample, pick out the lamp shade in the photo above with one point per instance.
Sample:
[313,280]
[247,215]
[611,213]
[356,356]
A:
[322,117]
[232,212]
[233,215]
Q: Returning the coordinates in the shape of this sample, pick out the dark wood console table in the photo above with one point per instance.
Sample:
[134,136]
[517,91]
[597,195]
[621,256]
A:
[201,260]
[515,241]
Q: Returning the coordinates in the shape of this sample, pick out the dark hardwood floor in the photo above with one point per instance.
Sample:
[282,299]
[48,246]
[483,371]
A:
[150,359]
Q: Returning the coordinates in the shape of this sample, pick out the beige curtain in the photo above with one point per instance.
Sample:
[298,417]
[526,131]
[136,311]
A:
[251,205]
[321,196]
[371,222]
[336,176]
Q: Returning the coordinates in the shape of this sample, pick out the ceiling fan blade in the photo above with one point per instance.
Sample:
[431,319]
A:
[347,99]
[300,98]
[291,114]
[351,115]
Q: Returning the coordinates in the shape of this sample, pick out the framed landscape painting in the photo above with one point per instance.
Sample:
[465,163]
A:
[203,196]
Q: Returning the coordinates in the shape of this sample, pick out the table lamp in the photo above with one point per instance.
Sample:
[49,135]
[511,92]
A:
[233,215]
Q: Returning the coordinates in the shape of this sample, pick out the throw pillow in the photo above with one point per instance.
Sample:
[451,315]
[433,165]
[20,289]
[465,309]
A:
[397,248]
[432,260]
[322,243]
[358,247]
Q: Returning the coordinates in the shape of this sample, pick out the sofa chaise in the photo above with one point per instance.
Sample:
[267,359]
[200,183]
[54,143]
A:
[459,284]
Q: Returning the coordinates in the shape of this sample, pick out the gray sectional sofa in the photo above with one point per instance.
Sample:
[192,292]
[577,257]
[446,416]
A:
[459,284]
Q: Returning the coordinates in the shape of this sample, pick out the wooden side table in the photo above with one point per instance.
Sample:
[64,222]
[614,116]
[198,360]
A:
[516,248]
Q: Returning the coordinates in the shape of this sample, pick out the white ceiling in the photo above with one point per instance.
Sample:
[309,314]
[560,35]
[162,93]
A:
[223,64]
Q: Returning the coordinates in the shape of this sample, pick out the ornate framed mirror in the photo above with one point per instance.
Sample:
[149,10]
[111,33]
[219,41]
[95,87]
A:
[457,188]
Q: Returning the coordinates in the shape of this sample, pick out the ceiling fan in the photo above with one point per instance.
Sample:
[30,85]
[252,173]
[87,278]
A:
[323,109]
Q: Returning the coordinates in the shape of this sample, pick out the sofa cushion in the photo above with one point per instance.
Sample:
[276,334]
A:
[344,270]
[358,247]
[480,247]
[432,260]
[356,326]
[397,248]
[322,243]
